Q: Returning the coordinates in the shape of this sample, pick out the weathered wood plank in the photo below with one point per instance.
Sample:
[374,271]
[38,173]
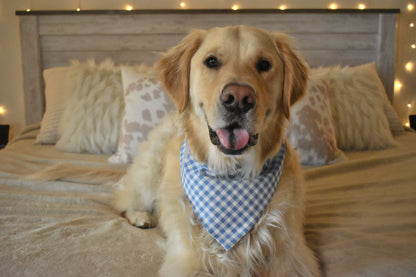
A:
[212,10]
[179,24]
[109,42]
[161,42]
[32,70]
[53,59]
[386,52]
[313,57]
[317,58]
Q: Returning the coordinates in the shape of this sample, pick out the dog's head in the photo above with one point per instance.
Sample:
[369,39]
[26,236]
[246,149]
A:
[234,87]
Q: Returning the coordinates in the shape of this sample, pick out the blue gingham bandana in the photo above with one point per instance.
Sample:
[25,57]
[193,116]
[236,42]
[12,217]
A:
[228,207]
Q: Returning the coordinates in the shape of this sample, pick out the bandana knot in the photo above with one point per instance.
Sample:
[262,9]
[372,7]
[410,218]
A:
[228,207]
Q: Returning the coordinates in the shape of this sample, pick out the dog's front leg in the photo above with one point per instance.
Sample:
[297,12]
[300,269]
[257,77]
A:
[294,258]
[296,261]
[136,197]
[180,260]
[182,248]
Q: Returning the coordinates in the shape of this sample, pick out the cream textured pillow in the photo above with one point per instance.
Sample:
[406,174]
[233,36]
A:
[395,124]
[94,110]
[56,94]
[312,131]
[146,104]
[357,104]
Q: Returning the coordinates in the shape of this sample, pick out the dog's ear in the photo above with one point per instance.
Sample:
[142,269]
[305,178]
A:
[295,72]
[174,68]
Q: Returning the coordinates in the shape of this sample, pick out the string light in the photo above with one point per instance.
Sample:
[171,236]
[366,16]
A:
[2,110]
[397,85]
[283,7]
[78,9]
[128,7]
[235,7]
[183,4]
[409,65]
[30,6]
[361,6]
[333,6]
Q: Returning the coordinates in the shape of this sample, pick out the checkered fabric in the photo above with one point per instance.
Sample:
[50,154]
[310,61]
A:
[228,207]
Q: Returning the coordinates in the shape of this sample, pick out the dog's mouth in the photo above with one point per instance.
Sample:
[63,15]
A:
[233,139]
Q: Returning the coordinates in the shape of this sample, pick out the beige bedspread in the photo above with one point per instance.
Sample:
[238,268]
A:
[360,217]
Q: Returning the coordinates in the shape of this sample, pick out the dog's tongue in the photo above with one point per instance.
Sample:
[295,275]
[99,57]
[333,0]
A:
[234,139]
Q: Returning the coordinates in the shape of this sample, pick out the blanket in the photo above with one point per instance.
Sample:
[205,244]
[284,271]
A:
[360,217]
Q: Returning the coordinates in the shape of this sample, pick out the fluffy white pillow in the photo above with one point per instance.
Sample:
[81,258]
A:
[91,119]
[395,124]
[357,105]
[312,131]
[146,104]
[56,95]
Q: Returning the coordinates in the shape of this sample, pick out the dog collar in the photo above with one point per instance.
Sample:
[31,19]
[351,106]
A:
[228,207]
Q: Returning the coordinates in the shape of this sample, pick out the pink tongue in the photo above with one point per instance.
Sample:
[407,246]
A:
[240,136]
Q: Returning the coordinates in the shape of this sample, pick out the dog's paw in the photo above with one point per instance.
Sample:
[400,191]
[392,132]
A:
[139,219]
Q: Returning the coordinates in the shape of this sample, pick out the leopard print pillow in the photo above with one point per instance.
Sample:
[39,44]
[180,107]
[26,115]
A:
[146,104]
[312,131]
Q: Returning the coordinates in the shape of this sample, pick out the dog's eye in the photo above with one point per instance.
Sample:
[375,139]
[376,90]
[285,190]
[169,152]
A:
[212,62]
[263,65]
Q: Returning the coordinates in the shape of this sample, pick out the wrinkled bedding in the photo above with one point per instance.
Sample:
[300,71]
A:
[360,217]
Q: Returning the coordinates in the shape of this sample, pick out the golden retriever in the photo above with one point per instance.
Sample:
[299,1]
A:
[233,88]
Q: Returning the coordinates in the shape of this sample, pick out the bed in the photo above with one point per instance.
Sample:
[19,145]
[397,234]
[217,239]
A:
[361,194]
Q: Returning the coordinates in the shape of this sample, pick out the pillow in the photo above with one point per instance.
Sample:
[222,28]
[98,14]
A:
[311,130]
[56,94]
[395,124]
[146,104]
[357,105]
[94,110]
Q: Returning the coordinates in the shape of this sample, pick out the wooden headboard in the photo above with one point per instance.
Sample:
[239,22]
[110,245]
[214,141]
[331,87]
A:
[53,38]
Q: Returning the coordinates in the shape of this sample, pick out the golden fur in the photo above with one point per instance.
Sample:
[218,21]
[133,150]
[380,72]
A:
[276,245]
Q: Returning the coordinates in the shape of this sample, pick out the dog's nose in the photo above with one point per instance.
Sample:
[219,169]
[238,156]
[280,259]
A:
[238,98]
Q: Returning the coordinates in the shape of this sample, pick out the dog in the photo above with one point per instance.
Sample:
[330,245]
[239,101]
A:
[233,88]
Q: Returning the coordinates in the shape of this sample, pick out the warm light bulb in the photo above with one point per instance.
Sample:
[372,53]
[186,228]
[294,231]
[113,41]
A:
[397,85]
[333,6]
[410,7]
[409,105]
[412,25]
[2,110]
[27,10]
[283,7]
[407,124]
[413,46]
[409,66]
[361,6]
[235,7]
[78,9]
[128,7]
[183,4]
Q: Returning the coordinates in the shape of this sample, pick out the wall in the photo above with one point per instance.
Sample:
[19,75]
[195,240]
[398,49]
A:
[11,87]
[11,80]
